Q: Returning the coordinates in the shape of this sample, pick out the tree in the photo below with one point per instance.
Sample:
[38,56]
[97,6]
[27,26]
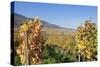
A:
[31,42]
[86,37]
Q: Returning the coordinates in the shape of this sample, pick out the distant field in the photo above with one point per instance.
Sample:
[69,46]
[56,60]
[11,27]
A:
[59,37]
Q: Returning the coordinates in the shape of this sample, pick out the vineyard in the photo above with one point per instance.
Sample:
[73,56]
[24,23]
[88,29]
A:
[35,45]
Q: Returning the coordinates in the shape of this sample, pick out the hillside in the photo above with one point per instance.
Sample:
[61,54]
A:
[18,19]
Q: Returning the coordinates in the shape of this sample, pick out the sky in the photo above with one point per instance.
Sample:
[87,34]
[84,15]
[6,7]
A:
[64,15]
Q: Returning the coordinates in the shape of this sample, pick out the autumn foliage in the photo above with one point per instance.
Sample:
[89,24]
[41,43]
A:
[31,42]
[86,37]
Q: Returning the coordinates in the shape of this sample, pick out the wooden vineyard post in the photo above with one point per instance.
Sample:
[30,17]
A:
[26,49]
[78,57]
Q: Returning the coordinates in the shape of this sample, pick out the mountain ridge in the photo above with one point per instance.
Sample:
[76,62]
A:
[18,19]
